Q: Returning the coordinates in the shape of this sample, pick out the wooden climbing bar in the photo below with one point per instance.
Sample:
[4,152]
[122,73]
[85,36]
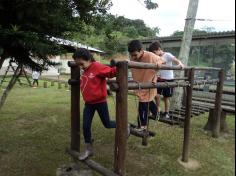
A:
[121,85]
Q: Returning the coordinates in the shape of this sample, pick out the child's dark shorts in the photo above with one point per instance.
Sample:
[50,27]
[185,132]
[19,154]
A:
[167,91]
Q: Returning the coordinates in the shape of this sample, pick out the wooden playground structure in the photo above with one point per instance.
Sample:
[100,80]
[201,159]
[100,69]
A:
[121,86]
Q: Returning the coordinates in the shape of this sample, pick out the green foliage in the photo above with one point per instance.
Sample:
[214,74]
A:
[150,5]
[26,26]
[113,36]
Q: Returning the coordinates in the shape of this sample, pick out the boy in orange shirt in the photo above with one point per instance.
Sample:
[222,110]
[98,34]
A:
[145,96]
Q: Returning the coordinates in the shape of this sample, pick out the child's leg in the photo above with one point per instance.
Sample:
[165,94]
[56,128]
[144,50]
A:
[143,110]
[88,114]
[33,82]
[153,108]
[104,115]
[37,82]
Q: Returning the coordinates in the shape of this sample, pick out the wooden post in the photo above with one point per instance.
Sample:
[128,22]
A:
[121,118]
[188,116]
[145,138]
[66,85]
[75,107]
[45,84]
[218,100]
[59,85]
[186,74]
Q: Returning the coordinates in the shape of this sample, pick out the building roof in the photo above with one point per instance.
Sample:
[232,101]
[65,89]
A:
[74,45]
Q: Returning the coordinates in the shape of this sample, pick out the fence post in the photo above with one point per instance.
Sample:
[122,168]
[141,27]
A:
[121,118]
[186,74]
[59,85]
[218,100]
[75,106]
[45,84]
[66,85]
[188,115]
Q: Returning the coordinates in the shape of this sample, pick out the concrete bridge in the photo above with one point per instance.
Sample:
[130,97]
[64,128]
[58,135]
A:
[206,39]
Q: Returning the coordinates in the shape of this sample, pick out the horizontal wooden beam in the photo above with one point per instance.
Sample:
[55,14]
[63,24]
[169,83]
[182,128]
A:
[92,164]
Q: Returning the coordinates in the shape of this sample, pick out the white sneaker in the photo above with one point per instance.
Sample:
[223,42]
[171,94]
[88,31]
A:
[142,128]
[128,130]
[167,116]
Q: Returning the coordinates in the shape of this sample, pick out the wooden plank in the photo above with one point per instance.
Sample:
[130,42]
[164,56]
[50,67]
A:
[92,164]
[210,105]
[133,127]
[212,101]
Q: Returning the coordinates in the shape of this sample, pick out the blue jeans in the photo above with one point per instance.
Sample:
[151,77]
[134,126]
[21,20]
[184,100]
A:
[143,111]
[89,110]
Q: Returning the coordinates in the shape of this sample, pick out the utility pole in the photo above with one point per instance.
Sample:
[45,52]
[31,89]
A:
[185,48]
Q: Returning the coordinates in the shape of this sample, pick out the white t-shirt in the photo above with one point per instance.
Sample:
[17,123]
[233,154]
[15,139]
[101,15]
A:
[167,74]
[35,75]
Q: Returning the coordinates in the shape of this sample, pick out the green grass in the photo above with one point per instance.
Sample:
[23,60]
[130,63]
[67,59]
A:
[35,130]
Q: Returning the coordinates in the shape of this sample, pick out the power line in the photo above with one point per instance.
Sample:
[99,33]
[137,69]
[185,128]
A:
[141,3]
[203,19]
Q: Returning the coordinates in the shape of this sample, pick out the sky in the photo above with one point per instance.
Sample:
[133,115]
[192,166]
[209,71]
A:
[170,15]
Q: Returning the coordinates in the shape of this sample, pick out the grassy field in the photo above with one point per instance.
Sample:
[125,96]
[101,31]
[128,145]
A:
[35,130]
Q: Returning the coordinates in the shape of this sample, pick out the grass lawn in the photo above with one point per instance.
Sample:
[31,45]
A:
[35,130]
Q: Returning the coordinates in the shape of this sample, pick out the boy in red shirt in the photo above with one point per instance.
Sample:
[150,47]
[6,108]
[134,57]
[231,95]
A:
[94,91]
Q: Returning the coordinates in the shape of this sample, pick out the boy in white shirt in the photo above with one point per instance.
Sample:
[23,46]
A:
[165,76]
[35,77]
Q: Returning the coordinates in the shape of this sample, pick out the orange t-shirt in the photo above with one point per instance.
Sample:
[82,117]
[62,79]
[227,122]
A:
[146,75]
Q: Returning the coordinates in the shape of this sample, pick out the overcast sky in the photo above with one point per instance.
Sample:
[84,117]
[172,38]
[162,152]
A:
[170,15]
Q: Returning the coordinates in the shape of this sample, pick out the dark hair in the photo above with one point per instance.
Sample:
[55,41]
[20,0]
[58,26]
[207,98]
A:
[84,54]
[135,45]
[154,46]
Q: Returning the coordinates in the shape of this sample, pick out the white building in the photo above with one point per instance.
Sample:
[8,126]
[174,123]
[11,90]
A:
[63,60]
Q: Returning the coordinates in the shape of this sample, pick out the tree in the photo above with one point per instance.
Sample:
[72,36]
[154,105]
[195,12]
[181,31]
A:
[150,5]
[27,26]
[114,36]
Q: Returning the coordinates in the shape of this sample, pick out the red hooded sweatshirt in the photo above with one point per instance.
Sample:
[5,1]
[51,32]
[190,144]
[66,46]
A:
[93,82]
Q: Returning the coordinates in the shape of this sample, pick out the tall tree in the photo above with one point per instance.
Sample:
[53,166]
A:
[185,47]
[26,28]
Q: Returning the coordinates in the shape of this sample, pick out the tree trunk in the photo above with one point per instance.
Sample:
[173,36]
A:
[10,86]
[185,48]
[211,120]
[2,59]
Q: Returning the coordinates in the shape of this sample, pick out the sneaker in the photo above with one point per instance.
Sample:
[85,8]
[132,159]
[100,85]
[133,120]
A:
[158,116]
[167,116]
[142,128]
[161,114]
[128,130]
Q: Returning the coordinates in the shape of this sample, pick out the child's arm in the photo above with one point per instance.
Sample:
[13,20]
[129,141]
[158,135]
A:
[106,71]
[178,62]
[158,61]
